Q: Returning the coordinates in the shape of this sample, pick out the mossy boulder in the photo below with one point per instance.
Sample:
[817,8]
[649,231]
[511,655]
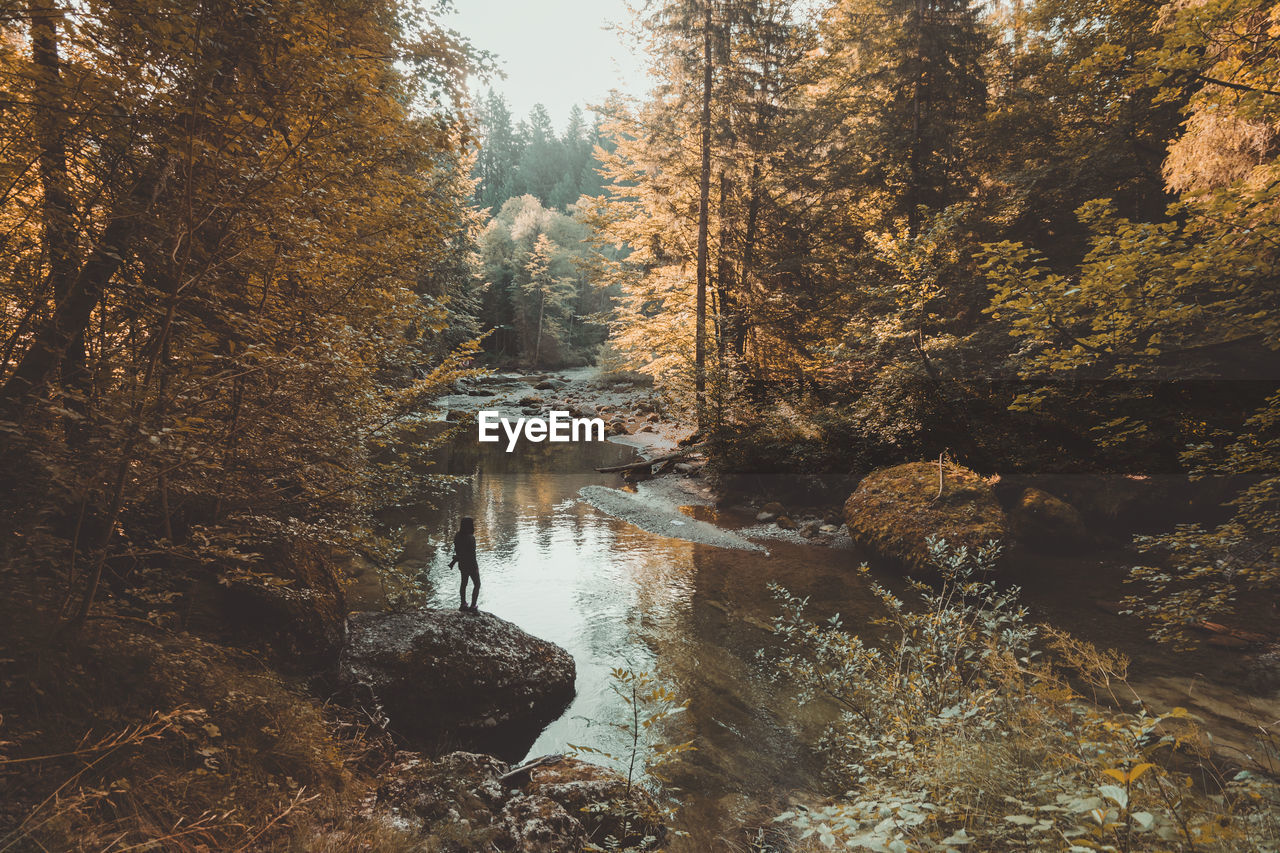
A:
[894,510]
[458,804]
[466,802]
[581,788]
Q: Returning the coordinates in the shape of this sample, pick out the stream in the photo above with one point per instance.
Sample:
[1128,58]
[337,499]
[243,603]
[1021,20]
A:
[695,615]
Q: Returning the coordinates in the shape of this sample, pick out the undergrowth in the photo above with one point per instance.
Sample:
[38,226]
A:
[130,737]
[958,734]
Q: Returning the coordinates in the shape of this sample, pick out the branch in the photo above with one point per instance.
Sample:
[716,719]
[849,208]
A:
[1240,87]
[647,463]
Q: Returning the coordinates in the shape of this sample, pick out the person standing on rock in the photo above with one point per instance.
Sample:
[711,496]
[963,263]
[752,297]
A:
[464,555]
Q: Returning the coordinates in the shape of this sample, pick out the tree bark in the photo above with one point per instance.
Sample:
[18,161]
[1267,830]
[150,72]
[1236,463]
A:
[704,205]
[648,463]
[58,207]
[916,157]
[748,259]
[724,270]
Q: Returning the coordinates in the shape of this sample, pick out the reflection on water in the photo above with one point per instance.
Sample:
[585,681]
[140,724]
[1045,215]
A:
[616,596]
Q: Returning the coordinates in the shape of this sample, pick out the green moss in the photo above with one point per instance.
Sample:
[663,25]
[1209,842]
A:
[894,510]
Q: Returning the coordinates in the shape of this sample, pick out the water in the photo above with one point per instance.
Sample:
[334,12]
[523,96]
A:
[696,615]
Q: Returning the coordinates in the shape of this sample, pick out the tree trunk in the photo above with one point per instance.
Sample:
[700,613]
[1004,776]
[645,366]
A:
[748,258]
[71,317]
[916,156]
[704,205]
[58,210]
[537,344]
[724,270]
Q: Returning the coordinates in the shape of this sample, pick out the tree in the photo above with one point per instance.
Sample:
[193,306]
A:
[543,159]
[499,154]
[1170,307]
[904,82]
[232,242]
[539,295]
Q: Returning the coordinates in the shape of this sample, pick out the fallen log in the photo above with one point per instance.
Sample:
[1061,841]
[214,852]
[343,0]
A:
[513,777]
[647,463]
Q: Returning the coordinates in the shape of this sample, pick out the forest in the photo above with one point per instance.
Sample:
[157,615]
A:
[255,255]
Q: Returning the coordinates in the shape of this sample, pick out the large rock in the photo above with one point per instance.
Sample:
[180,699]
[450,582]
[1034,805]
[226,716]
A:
[582,788]
[894,510]
[458,804]
[461,803]
[451,677]
[294,605]
[1044,522]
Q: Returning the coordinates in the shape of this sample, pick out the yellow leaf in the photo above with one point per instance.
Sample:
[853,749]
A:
[1139,770]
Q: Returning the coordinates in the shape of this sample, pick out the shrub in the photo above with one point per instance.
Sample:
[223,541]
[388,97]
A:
[957,734]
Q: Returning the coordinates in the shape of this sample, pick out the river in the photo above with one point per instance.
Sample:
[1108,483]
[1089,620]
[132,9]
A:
[696,615]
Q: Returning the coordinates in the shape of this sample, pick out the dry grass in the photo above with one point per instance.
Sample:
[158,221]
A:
[130,737]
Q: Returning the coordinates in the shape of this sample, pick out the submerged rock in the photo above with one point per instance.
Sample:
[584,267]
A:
[1044,522]
[894,510]
[447,676]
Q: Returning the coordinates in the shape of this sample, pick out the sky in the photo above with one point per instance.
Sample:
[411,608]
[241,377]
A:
[554,52]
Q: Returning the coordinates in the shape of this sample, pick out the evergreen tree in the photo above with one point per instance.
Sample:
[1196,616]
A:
[499,154]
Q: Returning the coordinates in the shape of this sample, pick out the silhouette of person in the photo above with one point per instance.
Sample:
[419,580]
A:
[464,555]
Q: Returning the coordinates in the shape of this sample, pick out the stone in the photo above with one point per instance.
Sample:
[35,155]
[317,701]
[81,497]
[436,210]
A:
[458,677]
[294,603]
[810,529]
[894,510]
[1043,522]
[580,786]
[540,825]
[461,803]
[774,508]
[458,803]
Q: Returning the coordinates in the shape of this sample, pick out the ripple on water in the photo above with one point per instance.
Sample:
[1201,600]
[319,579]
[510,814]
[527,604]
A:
[654,515]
